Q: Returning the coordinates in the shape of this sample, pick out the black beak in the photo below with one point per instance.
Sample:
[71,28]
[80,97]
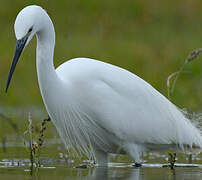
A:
[20,44]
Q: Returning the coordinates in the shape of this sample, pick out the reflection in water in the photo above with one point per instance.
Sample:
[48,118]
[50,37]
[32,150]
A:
[102,173]
[147,173]
[57,169]
[99,173]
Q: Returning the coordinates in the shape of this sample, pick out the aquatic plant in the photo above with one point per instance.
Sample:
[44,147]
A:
[171,87]
[35,145]
[171,159]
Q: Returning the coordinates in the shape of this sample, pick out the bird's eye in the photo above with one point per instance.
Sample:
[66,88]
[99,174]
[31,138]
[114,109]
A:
[30,30]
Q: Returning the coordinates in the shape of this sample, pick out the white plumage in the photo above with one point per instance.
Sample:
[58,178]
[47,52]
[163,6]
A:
[99,108]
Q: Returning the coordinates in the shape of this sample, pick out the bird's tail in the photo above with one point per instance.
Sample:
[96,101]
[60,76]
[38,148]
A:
[196,120]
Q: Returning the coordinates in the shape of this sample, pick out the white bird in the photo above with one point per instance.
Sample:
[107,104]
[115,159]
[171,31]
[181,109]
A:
[99,108]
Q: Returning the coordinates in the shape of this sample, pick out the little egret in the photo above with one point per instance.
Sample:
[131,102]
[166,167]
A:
[99,108]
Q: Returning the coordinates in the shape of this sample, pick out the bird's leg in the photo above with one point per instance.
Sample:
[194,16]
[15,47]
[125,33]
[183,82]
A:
[190,158]
[101,157]
[133,151]
[137,164]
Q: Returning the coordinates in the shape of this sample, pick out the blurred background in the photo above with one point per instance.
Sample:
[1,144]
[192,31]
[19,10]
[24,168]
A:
[149,38]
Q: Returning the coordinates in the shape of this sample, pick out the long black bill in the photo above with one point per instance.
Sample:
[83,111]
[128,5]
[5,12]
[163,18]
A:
[20,44]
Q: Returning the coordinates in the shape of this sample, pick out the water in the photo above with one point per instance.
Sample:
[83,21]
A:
[64,168]
[56,164]
[114,171]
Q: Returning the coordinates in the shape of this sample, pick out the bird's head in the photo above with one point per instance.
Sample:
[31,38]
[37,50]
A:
[27,24]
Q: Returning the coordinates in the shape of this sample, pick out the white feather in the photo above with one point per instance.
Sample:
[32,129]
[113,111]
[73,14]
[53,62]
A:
[99,108]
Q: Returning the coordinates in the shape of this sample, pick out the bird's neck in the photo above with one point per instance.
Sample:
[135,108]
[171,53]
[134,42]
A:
[48,79]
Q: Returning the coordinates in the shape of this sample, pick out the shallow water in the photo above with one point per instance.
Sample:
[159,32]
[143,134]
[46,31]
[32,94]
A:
[56,164]
[61,168]
[114,171]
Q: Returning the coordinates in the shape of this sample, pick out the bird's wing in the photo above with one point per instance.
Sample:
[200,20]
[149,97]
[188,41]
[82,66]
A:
[127,106]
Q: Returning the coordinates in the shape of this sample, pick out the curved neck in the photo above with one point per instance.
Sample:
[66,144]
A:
[47,77]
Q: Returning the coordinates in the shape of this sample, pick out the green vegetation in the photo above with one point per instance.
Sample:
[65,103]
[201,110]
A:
[149,38]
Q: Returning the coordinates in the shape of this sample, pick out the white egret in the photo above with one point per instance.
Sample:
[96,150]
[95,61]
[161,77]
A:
[99,108]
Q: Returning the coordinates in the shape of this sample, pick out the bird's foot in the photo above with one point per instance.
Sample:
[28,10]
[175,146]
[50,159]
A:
[82,166]
[137,165]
